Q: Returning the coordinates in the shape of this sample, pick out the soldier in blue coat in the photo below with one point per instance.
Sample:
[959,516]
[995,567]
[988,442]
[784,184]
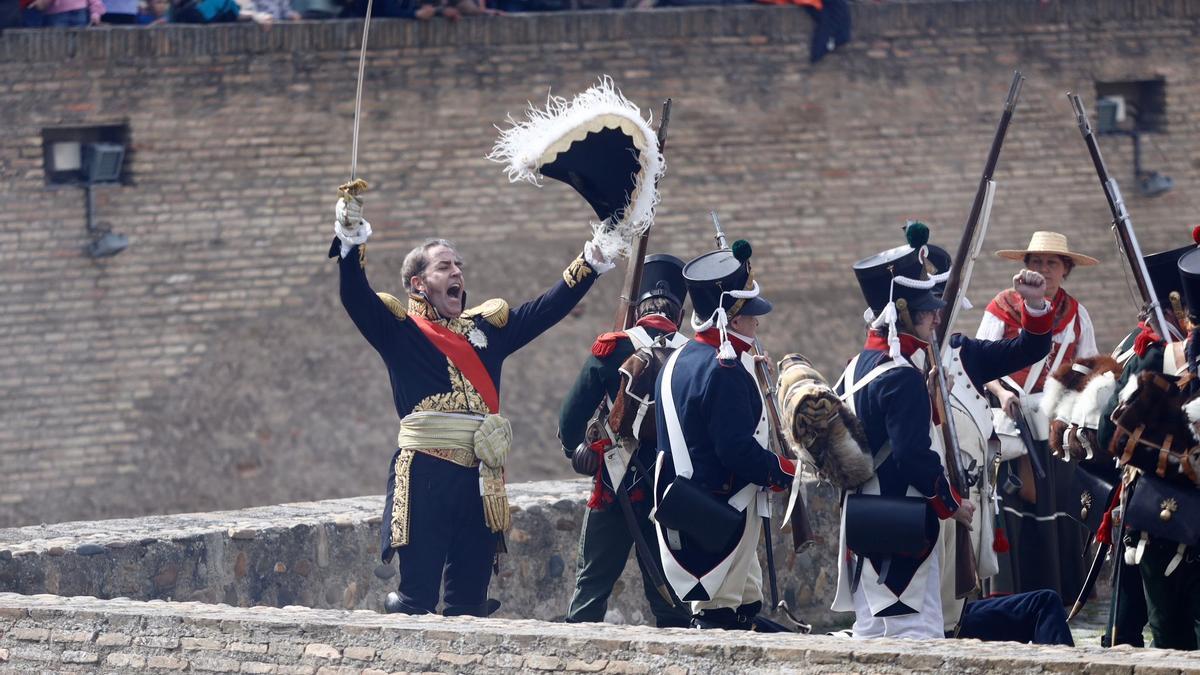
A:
[713,459]
[895,594]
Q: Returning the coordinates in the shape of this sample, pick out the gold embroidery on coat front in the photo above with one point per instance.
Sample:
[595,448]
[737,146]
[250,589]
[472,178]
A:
[399,522]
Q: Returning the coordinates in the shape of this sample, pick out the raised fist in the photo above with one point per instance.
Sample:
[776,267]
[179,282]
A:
[1032,287]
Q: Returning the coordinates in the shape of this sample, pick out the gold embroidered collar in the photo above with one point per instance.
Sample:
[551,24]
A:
[419,307]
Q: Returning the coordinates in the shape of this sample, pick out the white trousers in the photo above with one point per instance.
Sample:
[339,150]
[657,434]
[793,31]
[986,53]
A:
[743,584]
[924,625]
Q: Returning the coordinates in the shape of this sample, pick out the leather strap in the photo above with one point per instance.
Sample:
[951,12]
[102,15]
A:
[1130,444]
[1163,454]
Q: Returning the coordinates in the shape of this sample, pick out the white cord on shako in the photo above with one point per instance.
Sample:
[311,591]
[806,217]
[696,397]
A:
[720,319]
[890,315]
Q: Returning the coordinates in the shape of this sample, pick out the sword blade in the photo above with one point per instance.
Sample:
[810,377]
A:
[362,64]
[1089,583]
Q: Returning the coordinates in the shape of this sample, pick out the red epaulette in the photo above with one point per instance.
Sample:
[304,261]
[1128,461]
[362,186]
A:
[606,343]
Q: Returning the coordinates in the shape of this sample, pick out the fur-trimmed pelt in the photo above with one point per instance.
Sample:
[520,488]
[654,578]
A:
[820,428]
[1192,410]
[1065,385]
[1072,396]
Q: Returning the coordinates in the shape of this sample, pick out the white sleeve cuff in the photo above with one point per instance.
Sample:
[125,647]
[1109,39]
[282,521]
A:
[352,238]
[1038,312]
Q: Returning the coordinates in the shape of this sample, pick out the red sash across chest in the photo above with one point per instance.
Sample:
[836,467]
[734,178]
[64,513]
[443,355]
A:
[459,351]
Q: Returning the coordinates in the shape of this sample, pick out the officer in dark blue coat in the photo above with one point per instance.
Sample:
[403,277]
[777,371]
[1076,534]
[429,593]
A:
[606,538]
[444,362]
[446,503]
[898,595]
[713,459]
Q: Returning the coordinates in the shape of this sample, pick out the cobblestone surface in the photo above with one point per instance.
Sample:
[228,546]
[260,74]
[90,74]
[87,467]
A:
[316,641]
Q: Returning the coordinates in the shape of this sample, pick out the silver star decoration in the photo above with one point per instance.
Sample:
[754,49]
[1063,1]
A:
[477,338]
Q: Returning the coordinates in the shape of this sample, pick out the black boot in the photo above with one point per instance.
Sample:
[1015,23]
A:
[392,604]
[724,618]
[488,608]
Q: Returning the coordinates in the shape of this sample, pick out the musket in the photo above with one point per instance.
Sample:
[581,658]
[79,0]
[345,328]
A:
[625,318]
[966,572]
[1031,446]
[802,533]
[627,304]
[1122,226]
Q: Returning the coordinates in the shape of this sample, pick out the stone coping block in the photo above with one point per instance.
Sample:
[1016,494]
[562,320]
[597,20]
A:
[870,20]
[325,554]
[45,632]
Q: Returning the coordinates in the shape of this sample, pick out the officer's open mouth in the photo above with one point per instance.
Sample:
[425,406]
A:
[454,291]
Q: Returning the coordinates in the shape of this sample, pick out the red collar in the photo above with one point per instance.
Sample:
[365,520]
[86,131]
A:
[712,338]
[1145,338]
[658,321]
[909,344]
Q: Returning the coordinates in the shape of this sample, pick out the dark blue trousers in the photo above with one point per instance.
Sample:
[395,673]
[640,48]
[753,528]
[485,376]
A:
[1037,617]
[446,534]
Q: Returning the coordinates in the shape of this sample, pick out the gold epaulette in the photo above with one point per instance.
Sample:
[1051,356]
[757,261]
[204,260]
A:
[394,305]
[494,311]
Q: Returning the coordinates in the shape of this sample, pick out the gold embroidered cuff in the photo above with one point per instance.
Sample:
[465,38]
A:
[576,272]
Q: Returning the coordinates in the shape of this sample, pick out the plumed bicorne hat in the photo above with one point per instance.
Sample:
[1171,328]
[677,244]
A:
[599,144]
[909,272]
[722,286]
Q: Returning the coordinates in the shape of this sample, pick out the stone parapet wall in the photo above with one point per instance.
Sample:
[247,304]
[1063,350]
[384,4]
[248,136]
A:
[85,634]
[326,555]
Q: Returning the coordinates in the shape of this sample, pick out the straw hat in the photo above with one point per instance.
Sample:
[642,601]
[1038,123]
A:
[1048,242]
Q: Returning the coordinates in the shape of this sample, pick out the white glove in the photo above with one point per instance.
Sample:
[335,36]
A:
[1032,287]
[596,258]
[349,225]
[493,439]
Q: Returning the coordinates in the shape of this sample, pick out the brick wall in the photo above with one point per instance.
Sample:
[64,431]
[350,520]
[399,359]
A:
[210,366]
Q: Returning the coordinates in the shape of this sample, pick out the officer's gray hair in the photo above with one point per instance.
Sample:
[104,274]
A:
[418,259]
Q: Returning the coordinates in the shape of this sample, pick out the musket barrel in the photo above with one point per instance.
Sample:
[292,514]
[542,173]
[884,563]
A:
[1121,222]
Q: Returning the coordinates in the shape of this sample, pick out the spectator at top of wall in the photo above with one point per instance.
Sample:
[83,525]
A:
[62,13]
[422,10]
[154,12]
[272,10]
[120,12]
[217,11]
[317,9]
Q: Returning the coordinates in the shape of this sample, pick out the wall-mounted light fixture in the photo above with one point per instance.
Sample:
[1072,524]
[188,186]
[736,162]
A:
[100,164]
[1111,113]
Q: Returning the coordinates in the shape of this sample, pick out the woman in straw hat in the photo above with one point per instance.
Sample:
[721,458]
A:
[1046,549]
